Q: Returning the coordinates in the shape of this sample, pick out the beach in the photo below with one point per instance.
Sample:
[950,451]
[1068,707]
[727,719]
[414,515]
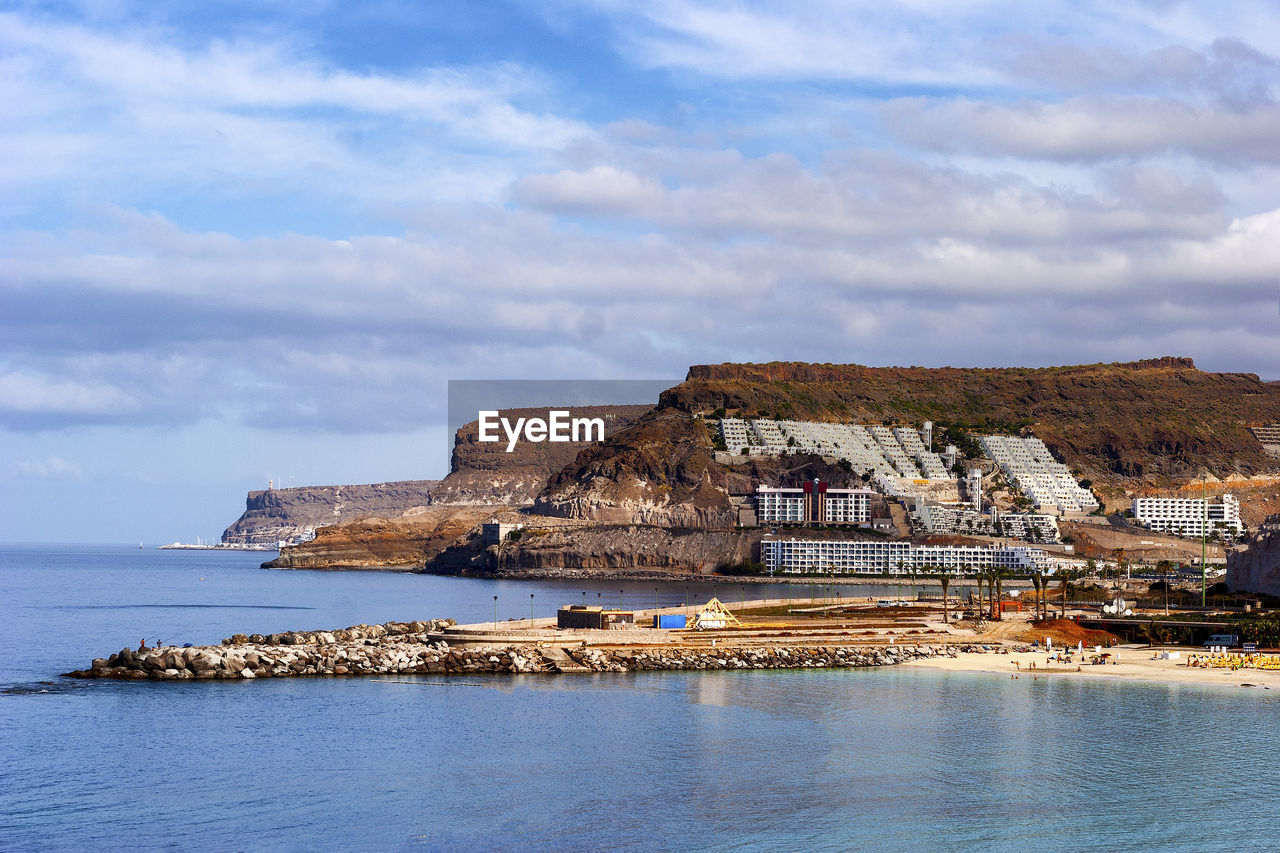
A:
[1134,663]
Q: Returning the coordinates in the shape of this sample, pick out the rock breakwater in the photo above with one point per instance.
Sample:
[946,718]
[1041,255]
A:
[409,648]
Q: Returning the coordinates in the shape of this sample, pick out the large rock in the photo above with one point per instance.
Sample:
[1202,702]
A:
[1256,568]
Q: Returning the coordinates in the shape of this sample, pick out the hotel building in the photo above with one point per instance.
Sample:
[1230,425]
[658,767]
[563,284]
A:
[873,557]
[813,503]
[1188,516]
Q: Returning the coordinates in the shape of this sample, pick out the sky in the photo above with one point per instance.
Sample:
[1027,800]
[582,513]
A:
[253,240]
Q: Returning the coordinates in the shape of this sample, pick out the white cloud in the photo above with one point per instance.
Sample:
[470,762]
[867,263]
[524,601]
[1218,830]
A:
[27,393]
[51,468]
[1090,128]
[121,113]
[600,189]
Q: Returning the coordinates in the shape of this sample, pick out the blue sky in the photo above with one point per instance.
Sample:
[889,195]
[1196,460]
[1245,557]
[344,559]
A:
[252,240]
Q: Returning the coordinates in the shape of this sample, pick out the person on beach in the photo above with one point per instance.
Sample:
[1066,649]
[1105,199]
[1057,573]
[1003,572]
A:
[142,644]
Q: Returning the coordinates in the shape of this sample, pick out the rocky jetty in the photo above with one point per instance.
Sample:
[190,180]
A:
[409,648]
[754,657]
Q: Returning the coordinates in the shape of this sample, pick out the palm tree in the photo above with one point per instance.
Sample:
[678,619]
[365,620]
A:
[1037,580]
[945,579]
[1163,567]
[998,576]
[1065,576]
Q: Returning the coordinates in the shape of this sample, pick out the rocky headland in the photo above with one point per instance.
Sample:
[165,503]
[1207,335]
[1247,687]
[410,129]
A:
[480,475]
[274,515]
[654,497]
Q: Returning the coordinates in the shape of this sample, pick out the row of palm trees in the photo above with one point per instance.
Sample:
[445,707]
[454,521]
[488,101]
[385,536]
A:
[993,579]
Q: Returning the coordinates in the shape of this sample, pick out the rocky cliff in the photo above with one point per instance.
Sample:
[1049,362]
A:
[1256,568]
[284,514]
[485,474]
[384,543]
[480,475]
[660,470]
[612,547]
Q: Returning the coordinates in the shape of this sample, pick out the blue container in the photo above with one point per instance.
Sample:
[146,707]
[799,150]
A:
[669,620]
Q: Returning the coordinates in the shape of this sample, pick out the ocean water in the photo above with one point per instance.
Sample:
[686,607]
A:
[883,759]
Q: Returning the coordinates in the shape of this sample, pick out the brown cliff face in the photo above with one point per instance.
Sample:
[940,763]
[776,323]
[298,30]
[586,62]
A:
[484,474]
[1256,568]
[383,543]
[660,470]
[276,514]
[608,547]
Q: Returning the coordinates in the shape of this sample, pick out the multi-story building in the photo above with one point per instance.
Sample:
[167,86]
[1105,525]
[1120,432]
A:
[1044,480]
[877,450]
[878,556]
[956,518]
[1189,516]
[813,503]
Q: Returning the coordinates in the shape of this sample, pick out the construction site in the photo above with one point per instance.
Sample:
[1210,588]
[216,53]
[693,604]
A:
[823,619]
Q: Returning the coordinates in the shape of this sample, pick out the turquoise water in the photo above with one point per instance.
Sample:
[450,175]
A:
[887,759]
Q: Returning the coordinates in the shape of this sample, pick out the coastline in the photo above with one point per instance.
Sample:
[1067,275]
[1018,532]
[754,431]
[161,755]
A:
[1135,664]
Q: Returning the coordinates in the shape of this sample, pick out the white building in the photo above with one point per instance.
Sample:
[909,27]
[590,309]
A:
[962,519]
[881,451]
[813,504]
[1044,480]
[878,556]
[1189,516]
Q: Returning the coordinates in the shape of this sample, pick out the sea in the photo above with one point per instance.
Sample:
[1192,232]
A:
[887,759]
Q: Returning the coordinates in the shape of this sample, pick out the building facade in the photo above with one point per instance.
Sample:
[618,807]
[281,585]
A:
[960,519]
[873,557]
[1189,516]
[813,503]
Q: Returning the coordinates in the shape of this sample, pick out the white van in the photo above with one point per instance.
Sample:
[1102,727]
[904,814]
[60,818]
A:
[1229,641]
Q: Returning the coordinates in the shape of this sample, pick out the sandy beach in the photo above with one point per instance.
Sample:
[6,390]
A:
[1135,663]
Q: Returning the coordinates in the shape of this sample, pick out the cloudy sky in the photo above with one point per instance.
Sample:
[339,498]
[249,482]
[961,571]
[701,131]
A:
[244,240]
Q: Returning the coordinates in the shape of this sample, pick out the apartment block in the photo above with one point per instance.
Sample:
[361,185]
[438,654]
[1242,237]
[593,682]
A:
[1190,517]
[848,556]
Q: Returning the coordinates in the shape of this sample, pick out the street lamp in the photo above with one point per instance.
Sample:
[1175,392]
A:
[530,610]
[495,613]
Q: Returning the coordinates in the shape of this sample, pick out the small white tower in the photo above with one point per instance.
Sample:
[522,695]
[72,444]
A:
[975,487]
[927,435]
[950,454]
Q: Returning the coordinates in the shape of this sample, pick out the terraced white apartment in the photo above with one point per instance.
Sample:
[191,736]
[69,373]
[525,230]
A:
[1045,481]
[896,453]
